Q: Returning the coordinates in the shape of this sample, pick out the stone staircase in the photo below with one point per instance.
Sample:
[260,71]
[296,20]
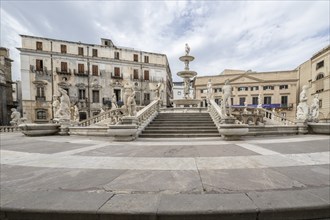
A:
[181,125]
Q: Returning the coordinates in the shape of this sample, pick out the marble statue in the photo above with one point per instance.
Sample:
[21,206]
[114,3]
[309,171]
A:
[114,101]
[128,90]
[156,88]
[302,108]
[15,117]
[187,49]
[131,105]
[63,112]
[259,101]
[209,90]
[227,93]
[75,113]
[102,111]
[315,108]
[55,104]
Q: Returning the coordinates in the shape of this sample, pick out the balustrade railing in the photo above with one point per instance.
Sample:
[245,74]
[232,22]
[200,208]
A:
[113,115]
[147,114]
[9,128]
[276,117]
[215,112]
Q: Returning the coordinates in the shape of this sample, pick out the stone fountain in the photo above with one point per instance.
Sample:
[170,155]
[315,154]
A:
[186,74]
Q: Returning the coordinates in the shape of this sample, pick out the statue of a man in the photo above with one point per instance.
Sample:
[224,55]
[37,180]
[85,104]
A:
[315,108]
[259,101]
[64,110]
[131,105]
[128,90]
[227,93]
[55,104]
[302,108]
[209,90]
[76,113]
[15,117]
[114,101]
[187,49]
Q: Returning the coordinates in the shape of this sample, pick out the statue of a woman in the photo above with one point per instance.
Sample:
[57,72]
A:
[187,49]
[315,108]
[227,93]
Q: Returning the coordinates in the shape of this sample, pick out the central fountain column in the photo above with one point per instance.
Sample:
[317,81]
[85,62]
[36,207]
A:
[187,75]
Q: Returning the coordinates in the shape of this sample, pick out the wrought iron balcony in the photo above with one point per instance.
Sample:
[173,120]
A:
[40,98]
[63,71]
[115,76]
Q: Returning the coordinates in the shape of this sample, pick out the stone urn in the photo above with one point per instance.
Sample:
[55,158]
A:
[39,129]
[232,132]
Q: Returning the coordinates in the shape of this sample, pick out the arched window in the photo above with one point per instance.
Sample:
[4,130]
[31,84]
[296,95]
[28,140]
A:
[319,76]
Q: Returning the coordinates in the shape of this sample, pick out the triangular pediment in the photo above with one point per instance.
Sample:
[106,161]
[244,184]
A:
[245,79]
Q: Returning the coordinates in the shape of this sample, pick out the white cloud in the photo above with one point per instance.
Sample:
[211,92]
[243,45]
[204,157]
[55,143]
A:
[261,36]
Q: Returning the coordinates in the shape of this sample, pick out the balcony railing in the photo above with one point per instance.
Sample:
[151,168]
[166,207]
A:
[115,76]
[40,98]
[82,73]
[63,72]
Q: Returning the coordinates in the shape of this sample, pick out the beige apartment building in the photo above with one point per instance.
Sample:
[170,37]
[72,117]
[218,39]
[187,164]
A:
[90,73]
[279,90]
[315,72]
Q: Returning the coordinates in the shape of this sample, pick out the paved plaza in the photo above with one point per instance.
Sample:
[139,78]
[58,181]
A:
[281,177]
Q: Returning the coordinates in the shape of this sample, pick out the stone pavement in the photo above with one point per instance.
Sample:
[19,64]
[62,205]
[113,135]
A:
[74,177]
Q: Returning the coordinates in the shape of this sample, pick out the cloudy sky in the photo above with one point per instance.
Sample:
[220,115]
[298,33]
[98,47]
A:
[256,35]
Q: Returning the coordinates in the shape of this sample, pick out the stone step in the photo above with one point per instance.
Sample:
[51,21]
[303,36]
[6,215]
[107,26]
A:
[197,131]
[184,119]
[174,123]
[179,135]
[181,127]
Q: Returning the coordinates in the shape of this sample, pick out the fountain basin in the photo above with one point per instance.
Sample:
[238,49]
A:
[320,128]
[39,129]
[187,74]
[232,132]
[187,58]
[186,102]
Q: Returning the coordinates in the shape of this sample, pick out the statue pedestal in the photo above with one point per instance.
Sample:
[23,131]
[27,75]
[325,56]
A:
[64,129]
[302,126]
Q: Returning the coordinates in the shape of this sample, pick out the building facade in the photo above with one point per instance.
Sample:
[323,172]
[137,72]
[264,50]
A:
[278,90]
[315,73]
[6,99]
[91,74]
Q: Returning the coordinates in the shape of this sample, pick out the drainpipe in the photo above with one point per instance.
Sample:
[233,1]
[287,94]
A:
[88,86]
[52,74]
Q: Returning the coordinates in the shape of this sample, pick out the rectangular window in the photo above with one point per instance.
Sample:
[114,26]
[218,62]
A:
[94,52]
[241,101]
[320,103]
[232,101]
[96,96]
[81,51]
[63,48]
[284,87]
[202,90]
[41,114]
[136,57]
[39,45]
[284,101]
[254,88]
[64,67]
[117,71]
[267,100]
[82,94]
[254,100]
[81,68]
[40,91]
[95,70]
[242,89]
[146,59]
[146,96]
[39,65]
[320,65]
[116,55]
[268,87]
[136,74]
[146,75]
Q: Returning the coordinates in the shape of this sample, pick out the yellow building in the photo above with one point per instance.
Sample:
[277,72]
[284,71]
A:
[278,90]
